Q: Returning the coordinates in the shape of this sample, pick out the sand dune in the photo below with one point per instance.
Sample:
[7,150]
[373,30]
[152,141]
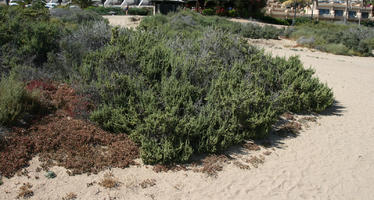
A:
[330,159]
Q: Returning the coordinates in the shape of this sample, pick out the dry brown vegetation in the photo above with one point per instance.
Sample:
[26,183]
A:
[241,165]
[25,191]
[147,183]
[251,146]
[61,139]
[70,196]
[289,128]
[165,168]
[213,164]
[256,161]
[109,181]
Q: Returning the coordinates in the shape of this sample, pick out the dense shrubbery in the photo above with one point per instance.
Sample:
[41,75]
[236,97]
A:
[191,22]
[180,84]
[273,20]
[337,38]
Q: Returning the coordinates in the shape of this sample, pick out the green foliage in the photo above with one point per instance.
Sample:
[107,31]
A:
[83,3]
[101,10]
[208,11]
[27,35]
[337,38]
[233,13]
[273,20]
[15,101]
[249,8]
[177,95]
[30,38]
[76,15]
[179,84]
[140,11]
[191,22]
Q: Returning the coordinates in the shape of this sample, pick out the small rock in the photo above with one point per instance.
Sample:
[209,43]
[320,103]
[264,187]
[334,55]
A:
[50,174]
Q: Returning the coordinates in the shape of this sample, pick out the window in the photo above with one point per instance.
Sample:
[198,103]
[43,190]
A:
[365,15]
[339,13]
[352,14]
[324,11]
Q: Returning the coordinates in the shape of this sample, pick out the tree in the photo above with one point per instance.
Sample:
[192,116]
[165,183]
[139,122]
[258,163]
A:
[295,4]
[7,2]
[248,8]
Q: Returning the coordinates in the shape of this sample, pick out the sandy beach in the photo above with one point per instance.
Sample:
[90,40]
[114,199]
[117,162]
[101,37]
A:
[331,158]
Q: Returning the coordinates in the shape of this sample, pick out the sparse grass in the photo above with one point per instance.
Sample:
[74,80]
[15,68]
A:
[109,181]
[147,183]
[241,165]
[25,191]
[70,196]
[251,146]
[212,164]
[256,161]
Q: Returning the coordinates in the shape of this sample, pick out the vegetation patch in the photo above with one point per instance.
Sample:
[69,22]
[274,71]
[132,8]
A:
[147,183]
[178,85]
[192,23]
[59,139]
[25,191]
[109,181]
[335,38]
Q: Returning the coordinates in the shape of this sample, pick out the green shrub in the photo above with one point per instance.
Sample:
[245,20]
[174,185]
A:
[209,11]
[179,95]
[101,10]
[336,38]
[339,49]
[273,20]
[191,22]
[140,11]
[76,15]
[27,35]
[15,101]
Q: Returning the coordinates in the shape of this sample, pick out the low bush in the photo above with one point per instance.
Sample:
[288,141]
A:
[76,15]
[179,95]
[190,22]
[179,84]
[101,10]
[273,20]
[140,11]
[208,11]
[336,38]
[15,101]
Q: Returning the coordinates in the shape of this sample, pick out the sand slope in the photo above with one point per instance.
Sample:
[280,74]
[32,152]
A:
[332,159]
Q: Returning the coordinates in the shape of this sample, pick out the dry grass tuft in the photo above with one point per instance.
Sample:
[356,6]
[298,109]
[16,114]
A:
[147,183]
[256,161]
[288,116]
[165,168]
[289,128]
[109,181]
[25,191]
[241,165]
[251,146]
[70,196]
[213,164]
